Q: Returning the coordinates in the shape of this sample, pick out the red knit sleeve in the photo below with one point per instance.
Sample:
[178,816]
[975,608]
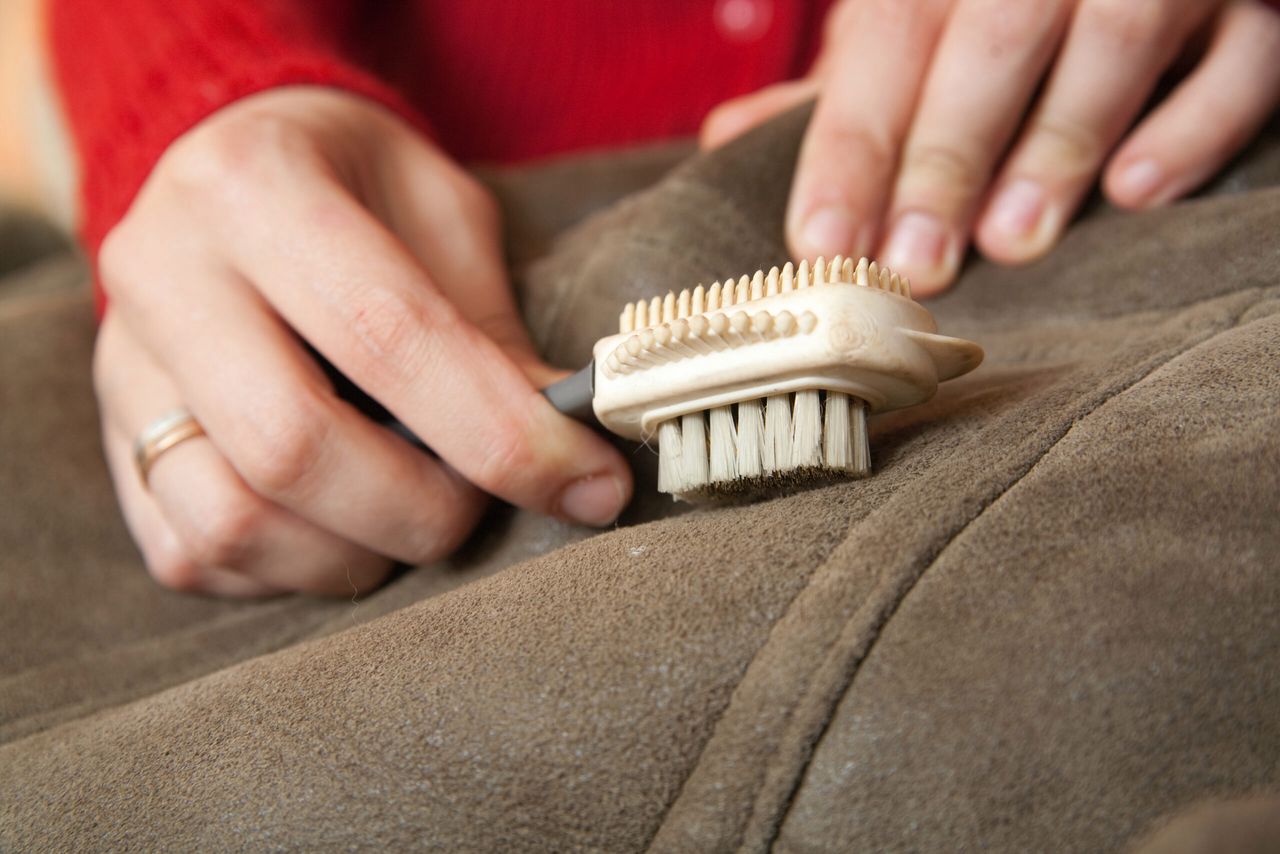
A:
[136,74]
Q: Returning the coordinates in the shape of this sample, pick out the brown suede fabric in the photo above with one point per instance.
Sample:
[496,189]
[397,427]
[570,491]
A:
[1048,622]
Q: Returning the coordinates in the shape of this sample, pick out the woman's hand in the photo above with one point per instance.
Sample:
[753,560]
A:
[933,128]
[313,214]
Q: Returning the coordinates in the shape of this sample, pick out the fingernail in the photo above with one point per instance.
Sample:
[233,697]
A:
[1139,181]
[832,231]
[920,246]
[1018,208]
[594,500]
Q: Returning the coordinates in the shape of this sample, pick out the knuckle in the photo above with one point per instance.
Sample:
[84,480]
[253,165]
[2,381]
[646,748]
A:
[1070,147]
[854,139]
[392,328]
[510,460]
[117,263]
[236,154]
[175,571]
[226,533]
[441,530]
[1008,28]
[204,165]
[365,569]
[944,166]
[281,451]
[1129,24]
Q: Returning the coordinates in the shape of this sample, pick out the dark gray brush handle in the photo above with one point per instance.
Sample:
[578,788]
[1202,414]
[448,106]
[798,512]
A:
[571,396]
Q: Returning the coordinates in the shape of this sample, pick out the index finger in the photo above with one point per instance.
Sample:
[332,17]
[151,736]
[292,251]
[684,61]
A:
[879,54]
[361,298]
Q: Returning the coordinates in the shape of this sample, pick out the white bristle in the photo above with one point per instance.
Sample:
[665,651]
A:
[806,430]
[860,440]
[837,441]
[777,433]
[724,445]
[771,282]
[670,448]
[750,438]
[693,450]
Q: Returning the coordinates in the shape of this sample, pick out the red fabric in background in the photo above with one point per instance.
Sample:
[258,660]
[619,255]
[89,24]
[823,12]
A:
[498,80]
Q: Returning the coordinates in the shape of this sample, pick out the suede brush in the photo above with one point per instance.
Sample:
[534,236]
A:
[754,384]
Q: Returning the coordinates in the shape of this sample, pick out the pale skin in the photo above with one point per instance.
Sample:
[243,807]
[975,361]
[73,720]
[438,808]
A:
[933,131]
[315,213]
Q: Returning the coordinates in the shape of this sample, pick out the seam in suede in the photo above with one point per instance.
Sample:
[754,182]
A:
[885,613]
[679,793]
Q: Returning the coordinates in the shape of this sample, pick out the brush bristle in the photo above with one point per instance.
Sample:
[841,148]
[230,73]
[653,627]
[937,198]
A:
[777,433]
[724,444]
[764,444]
[670,472]
[750,438]
[806,430]
[694,465]
[731,292]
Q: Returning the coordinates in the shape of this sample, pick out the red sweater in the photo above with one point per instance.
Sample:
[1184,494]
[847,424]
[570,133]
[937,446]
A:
[494,80]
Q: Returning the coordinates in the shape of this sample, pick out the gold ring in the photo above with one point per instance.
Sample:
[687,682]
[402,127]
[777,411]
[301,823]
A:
[165,432]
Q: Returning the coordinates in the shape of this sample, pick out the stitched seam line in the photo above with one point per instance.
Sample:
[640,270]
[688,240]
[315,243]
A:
[890,609]
[768,638]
